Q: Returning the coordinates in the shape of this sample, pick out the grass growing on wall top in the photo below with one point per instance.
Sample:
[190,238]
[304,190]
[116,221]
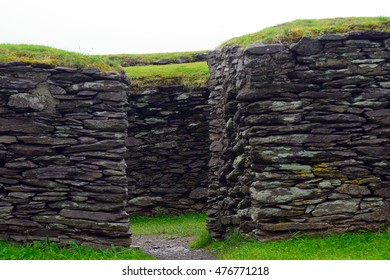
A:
[291,32]
[190,75]
[152,58]
[54,57]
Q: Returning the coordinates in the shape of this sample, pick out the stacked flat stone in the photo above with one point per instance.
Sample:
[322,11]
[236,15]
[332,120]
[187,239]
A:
[62,146]
[168,150]
[301,141]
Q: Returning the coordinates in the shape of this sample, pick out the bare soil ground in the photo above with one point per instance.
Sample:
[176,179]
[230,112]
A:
[165,247]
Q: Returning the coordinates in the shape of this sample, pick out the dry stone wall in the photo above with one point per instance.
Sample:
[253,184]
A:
[168,150]
[300,136]
[62,146]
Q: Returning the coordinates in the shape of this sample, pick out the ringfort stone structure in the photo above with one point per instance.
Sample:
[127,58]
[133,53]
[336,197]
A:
[167,150]
[301,136]
[285,139]
[62,144]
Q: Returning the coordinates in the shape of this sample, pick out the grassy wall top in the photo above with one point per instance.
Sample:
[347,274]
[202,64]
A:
[292,31]
[54,57]
[158,58]
[190,75]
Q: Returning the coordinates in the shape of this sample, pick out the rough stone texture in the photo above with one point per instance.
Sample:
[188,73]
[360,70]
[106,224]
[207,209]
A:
[300,136]
[62,147]
[168,150]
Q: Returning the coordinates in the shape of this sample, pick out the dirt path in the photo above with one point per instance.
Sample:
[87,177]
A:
[165,247]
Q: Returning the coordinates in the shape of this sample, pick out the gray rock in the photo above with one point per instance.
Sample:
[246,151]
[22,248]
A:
[142,201]
[94,215]
[44,140]
[62,172]
[104,85]
[106,125]
[259,49]
[294,226]
[354,190]
[199,193]
[119,96]
[22,124]
[15,83]
[306,46]
[337,207]
[379,116]
[282,195]
[7,139]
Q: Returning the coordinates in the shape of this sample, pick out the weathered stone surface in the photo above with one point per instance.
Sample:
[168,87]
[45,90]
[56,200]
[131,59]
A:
[168,150]
[39,100]
[291,226]
[98,146]
[62,172]
[25,164]
[259,48]
[7,139]
[22,124]
[15,83]
[120,96]
[59,179]
[31,150]
[93,215]
[379,116]
[104,85]
[354,190]
[307,46]
[282,195]
[273,213]
[106,125]
[337,207]
[44,140]
[199,193]
[308,123]
[142,201]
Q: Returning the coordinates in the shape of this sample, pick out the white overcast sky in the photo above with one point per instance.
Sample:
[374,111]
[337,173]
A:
[147,26]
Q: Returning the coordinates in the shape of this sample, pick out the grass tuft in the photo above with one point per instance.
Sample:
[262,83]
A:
[291,32]
[190,224]
[155,58]
[347,246]
[189,75]
[34,54]
[51,251]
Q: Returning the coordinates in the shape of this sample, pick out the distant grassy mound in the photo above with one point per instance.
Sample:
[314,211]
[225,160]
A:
[190,75]
[54,57]
[158,58]
[291,32]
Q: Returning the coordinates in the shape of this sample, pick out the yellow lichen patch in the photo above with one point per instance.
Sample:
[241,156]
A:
[323,170]
[303,173]
[364,180]
[321,167]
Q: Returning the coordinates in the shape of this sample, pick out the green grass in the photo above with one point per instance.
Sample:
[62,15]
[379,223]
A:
[146,59]
[190,75]
[348,246]
[51,251]
[292,31]
[191,224]
[54,57]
